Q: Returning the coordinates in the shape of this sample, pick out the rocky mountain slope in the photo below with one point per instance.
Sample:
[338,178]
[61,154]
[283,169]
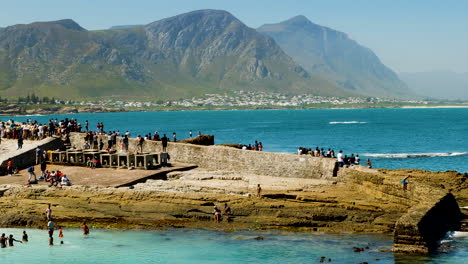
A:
[206,51]
[335,56]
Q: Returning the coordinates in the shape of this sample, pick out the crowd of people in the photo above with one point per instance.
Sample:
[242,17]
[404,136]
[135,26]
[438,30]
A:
[330,153]
[342,159]
[33,130]
[258,146]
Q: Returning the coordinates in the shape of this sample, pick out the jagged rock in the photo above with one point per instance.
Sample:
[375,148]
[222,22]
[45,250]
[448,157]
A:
[206,140]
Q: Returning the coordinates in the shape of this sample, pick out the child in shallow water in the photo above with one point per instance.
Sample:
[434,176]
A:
[11,239]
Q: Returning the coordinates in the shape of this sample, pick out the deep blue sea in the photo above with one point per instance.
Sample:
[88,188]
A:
[198,246]
[430,139]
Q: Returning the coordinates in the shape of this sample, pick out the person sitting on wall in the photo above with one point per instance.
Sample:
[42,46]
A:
[89,162]
[96,163]
[65,181]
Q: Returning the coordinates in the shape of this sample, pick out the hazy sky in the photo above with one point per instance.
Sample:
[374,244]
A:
[407,35]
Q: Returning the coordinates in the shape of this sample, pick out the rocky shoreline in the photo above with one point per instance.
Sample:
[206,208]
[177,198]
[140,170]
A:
[186,199]
[18,110]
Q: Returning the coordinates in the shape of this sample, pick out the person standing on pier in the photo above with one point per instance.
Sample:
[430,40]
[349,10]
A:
[140,140]
[20,142]
[31,175]
[38,155]
[164,140]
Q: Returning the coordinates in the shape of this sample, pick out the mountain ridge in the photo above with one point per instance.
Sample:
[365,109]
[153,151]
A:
[332,54]
[199,52]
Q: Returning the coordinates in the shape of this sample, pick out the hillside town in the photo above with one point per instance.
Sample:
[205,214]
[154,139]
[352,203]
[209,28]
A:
[249,99]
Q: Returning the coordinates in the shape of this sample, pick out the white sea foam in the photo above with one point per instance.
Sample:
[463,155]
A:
[347,122]
[28,115]
[464,207]
[460,234]
[413,155]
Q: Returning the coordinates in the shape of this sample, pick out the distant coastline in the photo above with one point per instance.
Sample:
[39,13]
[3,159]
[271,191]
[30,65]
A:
[27,110]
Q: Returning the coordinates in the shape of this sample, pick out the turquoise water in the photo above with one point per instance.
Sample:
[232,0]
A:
[198,246]
[431,139]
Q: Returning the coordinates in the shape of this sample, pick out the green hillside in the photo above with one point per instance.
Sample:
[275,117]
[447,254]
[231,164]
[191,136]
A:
[206,51]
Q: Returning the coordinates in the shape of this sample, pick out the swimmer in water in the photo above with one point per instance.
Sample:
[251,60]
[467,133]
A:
[85,229]
[3,241]
[25,236]
[61,234]
[11,239]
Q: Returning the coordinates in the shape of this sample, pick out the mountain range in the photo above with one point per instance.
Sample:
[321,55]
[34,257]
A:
[333,55]
[205,51]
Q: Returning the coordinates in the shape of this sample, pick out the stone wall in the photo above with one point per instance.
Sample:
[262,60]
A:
[28,158]
[422,227]
[432,212]
[227,158]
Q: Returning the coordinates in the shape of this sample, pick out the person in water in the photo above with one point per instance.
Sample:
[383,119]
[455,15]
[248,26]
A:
[11,239]
[25,236]
[85,229]
[3,241]
[60,234]
[50,227]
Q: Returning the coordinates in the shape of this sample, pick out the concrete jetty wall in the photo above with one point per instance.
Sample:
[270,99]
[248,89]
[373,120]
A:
[28,156]
[432,212]
[422,227]
[228,158]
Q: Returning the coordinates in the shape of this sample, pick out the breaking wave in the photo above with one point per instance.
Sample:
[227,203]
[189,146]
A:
[460,234]
[347,122]
[413,155]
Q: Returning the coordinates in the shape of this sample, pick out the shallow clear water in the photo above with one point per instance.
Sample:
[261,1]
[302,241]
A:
[198,246]
[438,137]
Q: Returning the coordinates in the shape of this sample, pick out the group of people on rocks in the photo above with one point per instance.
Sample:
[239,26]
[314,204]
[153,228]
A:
[317,152]
[54,178]
[350,160]
[258,146]
[217,216]
[342,159]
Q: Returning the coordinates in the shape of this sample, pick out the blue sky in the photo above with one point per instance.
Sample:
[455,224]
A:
[407,35]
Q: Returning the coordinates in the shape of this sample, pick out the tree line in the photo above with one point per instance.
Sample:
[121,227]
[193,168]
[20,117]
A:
[34,99]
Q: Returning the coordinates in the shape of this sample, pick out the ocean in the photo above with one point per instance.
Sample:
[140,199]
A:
[201,246]
[432,139]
